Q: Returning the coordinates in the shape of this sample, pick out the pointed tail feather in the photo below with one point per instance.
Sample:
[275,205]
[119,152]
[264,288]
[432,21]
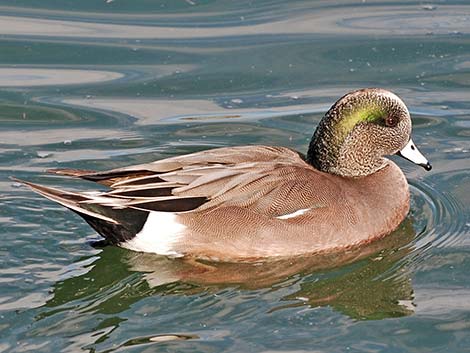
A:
[65,198]
[115,225]
[107,178]
[70,172]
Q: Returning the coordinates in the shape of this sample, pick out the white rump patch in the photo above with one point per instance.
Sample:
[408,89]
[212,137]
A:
[294,214]
[160,233]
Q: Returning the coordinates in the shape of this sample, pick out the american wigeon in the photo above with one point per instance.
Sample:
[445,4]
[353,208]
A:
[250,202]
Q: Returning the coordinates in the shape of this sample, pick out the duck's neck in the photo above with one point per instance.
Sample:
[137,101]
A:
[349,157]
[323,150]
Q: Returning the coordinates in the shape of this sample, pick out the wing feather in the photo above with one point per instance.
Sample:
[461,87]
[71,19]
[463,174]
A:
[237,176]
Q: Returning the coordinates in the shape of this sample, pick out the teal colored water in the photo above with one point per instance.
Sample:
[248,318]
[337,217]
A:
[103,84]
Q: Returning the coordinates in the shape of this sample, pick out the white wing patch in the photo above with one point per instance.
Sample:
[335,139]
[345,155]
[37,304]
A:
[293,214]
[160,233]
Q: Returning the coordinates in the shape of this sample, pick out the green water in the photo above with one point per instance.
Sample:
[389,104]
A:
[103,84]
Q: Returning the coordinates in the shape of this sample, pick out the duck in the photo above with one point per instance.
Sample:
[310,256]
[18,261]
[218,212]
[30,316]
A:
[249,203]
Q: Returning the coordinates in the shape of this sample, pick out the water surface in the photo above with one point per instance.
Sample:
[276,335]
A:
[99,85]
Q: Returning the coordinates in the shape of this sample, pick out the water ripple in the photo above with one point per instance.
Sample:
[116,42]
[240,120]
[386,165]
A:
[401,21]
[441,216]
[440,222]
[384,20]
[29,77]
[104,84]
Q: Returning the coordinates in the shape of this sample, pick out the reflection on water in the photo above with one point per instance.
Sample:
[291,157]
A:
[119,278]
[160,271]
[13,77]
[103,84]
[383,20]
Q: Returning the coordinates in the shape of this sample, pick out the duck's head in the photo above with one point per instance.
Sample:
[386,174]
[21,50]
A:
[359,130]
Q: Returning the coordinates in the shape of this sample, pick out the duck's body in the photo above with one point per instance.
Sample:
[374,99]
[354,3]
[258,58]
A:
[328,217]
[245,203]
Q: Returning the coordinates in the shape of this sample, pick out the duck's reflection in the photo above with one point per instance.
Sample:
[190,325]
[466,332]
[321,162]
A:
[364,283]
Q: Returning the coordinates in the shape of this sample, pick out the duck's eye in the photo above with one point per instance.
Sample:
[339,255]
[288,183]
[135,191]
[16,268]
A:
[391,121]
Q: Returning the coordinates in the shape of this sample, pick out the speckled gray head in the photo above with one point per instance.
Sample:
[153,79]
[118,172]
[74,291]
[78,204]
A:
[359,130]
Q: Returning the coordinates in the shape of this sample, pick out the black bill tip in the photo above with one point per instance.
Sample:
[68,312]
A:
[426,166]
